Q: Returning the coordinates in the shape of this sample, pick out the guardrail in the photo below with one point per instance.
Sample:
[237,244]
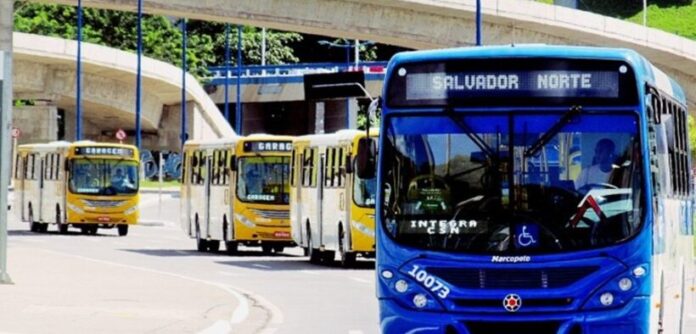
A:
[287,70]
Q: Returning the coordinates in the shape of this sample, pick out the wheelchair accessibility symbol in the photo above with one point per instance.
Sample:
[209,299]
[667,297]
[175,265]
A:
[527,235]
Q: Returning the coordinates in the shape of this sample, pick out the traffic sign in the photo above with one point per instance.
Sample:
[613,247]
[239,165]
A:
[120,134]
[16,132]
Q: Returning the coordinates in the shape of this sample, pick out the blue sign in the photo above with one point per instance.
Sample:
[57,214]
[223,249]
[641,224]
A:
[526,236]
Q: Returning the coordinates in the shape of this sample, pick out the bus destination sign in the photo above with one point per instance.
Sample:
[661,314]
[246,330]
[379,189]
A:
[428,86]
[483,82]
[116,151]
[268,146]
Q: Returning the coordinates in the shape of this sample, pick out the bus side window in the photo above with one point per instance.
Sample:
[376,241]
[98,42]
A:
[56,166]
[341,166]
[307,168]
[17,166]
[292,169]
[184,168]
[32,167]
[328,168]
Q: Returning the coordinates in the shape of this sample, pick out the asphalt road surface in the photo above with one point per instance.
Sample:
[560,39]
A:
[280,293]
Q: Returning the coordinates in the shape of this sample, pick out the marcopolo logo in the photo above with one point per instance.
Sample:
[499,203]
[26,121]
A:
[511,259]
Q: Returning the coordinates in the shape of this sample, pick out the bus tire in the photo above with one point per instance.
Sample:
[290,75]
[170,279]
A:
[62,228]
[278,249]
[231,247]
[33,226]
[201,244]
[313,253]
[122,230]
[347,257]
[267,249]
[213,246]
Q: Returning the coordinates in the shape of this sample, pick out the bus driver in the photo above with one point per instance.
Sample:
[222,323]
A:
[602,165]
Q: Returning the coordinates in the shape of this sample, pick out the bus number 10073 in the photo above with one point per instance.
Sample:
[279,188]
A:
[429,281]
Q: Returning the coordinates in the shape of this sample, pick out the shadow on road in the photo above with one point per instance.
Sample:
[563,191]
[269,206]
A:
[191,252]
[24,233]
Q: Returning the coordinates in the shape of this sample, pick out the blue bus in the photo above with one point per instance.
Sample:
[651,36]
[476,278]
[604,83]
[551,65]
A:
[532,189]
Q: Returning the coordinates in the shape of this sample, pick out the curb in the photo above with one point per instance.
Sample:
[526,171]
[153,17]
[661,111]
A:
[156,190]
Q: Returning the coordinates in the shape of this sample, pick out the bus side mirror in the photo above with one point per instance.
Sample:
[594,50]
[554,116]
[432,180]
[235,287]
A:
[366,159]
[349,165]
[233,164]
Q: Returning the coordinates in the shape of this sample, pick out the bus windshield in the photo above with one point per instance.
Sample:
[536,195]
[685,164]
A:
[514,183]
[103,176]
[264,179]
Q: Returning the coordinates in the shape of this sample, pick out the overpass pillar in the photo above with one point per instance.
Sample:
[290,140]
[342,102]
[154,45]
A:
[38,123]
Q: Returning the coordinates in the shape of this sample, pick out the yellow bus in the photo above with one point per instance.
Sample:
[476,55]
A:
[235,191]
[84,184]
[332,209]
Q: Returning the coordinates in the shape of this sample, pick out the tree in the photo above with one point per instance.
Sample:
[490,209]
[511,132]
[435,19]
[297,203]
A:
[161,35]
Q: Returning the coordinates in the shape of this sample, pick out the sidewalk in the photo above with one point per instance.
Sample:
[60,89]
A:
[61,293]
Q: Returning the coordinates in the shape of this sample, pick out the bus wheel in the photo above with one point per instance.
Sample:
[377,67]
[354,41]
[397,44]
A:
[231,247]
[267,249]
[84,229]
[43,228]
[314,254]
[34,227]
[201,244]
[62,228]
[122,230]
[278,249]
[347,258]
[213,246]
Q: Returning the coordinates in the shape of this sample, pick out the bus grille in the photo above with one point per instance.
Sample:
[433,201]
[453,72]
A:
[471,278]
[272,214]
[103,204]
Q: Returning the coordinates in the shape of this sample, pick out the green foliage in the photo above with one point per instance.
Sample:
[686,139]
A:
[161,35]
[692,135]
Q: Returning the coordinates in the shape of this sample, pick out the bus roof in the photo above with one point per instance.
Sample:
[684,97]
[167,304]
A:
[217,142]
[334,138]
[645,71]
[265,136]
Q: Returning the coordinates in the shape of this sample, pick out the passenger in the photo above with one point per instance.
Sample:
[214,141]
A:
[602,165]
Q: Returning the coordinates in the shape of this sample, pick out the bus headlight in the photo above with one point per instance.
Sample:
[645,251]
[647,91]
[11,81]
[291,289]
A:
[619,290]
[363,229]
[130,210]
[244,220]
[420,300]
[75,208]
[401,286]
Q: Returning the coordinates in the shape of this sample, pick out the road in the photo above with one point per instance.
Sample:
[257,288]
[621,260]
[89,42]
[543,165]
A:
[267,294]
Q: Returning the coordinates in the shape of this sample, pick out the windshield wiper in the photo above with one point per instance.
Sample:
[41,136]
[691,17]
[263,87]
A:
[550,133]
[471,134]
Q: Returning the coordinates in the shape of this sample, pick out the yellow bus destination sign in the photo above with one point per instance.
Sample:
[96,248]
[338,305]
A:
[268,146]
[116,151]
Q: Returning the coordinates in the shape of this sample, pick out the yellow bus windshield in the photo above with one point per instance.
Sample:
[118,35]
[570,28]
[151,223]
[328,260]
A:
[93,176]
[264,179]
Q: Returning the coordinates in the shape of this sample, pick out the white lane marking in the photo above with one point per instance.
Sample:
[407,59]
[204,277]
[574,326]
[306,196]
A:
[239,315]
[261,266]
[361,280]
[218,327]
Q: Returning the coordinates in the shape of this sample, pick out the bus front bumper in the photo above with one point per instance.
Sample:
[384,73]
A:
[633,318]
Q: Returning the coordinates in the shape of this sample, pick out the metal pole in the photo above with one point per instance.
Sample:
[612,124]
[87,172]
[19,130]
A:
[263,46]
[347,47]
[227,72]
[183,82]
[138,76]
[159,206]
[238,117]
[78,89]
[6,24]
[478,23]
[357,53]
[645,13]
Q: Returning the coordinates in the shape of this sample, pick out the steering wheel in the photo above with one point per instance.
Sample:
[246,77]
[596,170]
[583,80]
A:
[95,182]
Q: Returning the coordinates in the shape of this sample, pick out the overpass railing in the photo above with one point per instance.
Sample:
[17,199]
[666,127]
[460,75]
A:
[371,69]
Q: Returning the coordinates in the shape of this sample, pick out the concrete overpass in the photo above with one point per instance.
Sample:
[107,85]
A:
[44,71]
[424,24]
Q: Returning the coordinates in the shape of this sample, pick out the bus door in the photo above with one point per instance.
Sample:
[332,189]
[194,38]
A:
[231,194]
[41,188]
[320,197]
[298,176]
[32,190]
[208,179]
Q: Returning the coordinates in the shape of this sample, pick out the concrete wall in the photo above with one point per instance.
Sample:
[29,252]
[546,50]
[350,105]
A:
[38,124]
